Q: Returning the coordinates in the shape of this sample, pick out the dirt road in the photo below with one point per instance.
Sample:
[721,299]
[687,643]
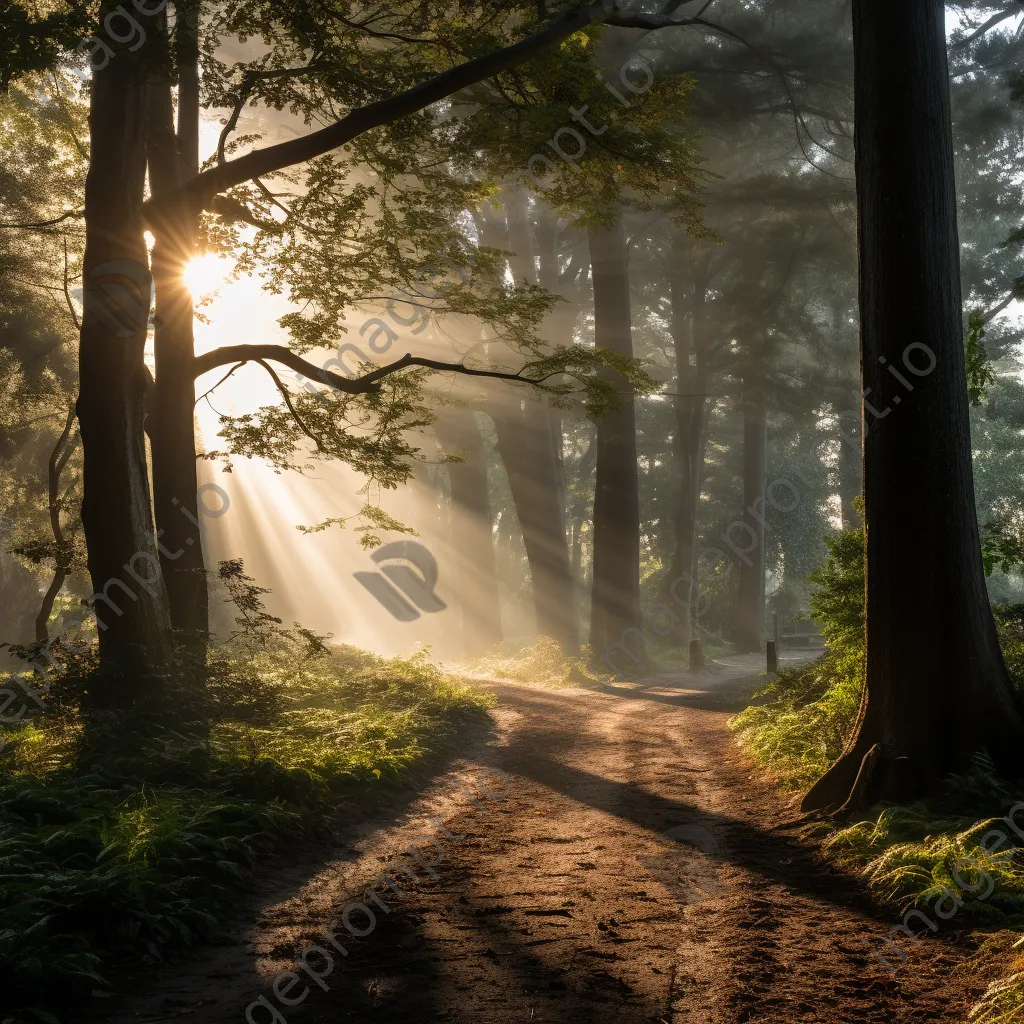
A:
[636,870]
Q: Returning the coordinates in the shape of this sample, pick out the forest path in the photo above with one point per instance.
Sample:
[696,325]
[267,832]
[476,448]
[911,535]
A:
[637,870]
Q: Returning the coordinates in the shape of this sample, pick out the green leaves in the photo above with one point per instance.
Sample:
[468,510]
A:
[980,374]
[838,603]
[1002,547]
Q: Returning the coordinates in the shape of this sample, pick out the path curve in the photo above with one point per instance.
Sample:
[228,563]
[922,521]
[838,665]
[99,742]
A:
[636,871]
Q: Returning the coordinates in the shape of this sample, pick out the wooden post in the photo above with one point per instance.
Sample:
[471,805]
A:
[773,658]
[696,656]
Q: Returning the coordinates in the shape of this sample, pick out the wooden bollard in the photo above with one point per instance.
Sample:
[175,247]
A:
[696,656]
[773,657]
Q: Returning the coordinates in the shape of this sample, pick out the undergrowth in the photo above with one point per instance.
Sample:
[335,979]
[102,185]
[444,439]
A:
[120,841]
[909,856]
[804,714]
[543,663]
[1003,1001]
[956,852]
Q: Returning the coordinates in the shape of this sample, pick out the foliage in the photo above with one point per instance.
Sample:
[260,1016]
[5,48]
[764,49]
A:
[1010,625]
[542,663]
[1002,548]
[35,33]
[42,168]
[980,373]
[802,726]
[908,855]
[391,214]
[122,838]
[838,603]
[1003,1001]
[800,730]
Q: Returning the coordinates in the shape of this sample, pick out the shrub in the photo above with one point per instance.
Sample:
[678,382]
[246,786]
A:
[806,713]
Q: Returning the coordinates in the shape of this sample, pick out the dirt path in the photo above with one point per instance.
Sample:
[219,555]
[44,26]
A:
[635,871]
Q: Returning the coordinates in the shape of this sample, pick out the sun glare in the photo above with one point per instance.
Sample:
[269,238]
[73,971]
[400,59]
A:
[205,274]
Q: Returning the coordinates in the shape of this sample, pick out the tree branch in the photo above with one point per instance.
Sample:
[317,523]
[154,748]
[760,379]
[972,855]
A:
[197,194]
[367,384]
[996,19]
[278,354]
[46,223]
[291,408]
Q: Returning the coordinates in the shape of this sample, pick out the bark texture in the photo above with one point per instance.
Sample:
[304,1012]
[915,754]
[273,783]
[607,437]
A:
[937,689]
[131,605]
[172,420]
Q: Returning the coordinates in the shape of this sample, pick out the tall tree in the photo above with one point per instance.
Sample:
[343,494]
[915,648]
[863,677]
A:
[750,603]
[113,379]
[615,589]
[936,689]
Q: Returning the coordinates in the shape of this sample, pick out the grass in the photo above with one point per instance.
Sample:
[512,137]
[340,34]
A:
[543,663]
[1003,1002]
[115,850]
[910,856]
[804,716]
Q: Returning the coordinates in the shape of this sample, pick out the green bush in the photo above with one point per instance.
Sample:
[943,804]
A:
[803,717]
[1010,625]
[805,714]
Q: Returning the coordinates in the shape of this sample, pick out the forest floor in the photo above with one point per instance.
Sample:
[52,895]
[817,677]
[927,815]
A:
[638,870]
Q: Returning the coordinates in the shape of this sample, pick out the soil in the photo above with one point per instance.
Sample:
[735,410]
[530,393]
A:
[630,865]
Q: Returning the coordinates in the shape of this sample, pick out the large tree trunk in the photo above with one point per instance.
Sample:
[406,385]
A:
[937,689]
[116,512]
[173,159]
[615,592]
[471,527]
[690,406]
[750,601]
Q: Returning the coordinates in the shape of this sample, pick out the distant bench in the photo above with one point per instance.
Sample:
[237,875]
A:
[800,634]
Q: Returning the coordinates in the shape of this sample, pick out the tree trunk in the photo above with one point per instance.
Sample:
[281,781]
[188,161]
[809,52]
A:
[172,420]
[61,550]
[471,528]
[131,605]
[937,690]
[750,602]
[525,445]
[615,591]
[690,405]
[578,515]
